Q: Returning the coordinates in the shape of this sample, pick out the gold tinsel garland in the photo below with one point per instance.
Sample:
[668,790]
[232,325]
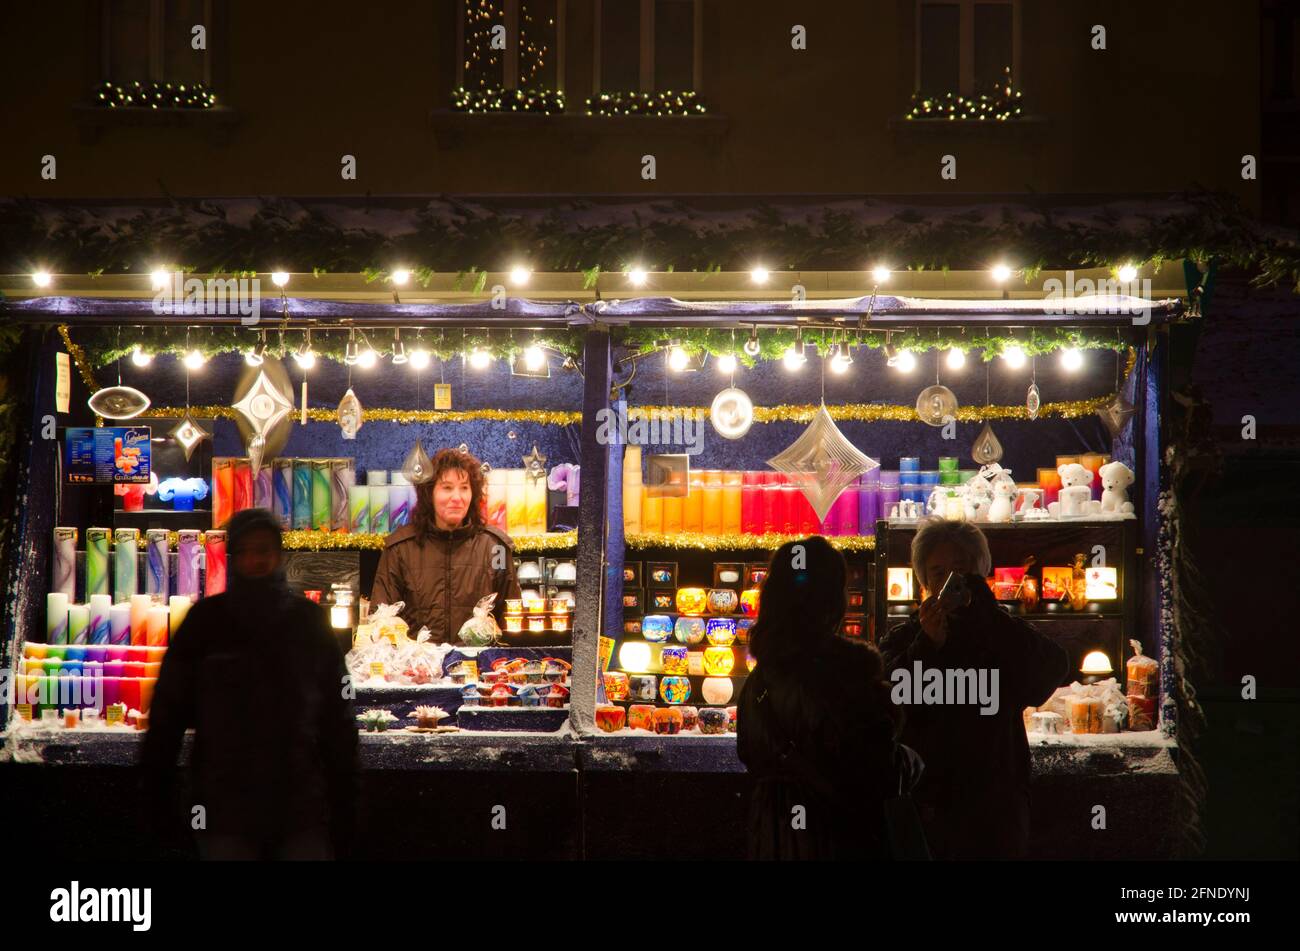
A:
[769,541]
[544,417]
[79,358]
[303,540]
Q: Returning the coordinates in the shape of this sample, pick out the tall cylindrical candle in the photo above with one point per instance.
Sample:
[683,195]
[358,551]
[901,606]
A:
[1049,480]
[140,605]
[223,491]
[399,503]
[343,476]
[868,507]
[652,512]
[156,626]
[263,494]
[535,501]
[178,605]
[157,557]
[56,618]
[731,508]
[830,525]
[693,504]
[379,524]
[359,509]
[516,502]
[126,553]
[672,514]
[712,518]
[100,604]
[847,506]
[214,563]
[789,509]
[97,561]
[243,485]
[188,556]
[119,624]
[65,562]
[282,492]
[78,623]
[301,494]
[495,513]
[751,509]
[632,489]
[322,495]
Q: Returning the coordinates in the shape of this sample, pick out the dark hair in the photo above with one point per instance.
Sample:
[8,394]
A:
[423,518]
[248,522]
[803,599]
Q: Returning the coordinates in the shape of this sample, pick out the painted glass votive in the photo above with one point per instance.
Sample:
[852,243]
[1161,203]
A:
[536,623]
[514,624]
[689,630]
[717,690]
[557,696]
[560,623]
[616,685]
[675,689]
[718,661]
[690,717]
[561,606]
[642,687]
[713,720]
[668,720]
[692,600]
[641,716]
[721,631]
[611,718]
[514,606]
[749,602]
[656,628]
[535,606]
[731,719]
[742,629]
[722,601]
[529,696]
[674,660]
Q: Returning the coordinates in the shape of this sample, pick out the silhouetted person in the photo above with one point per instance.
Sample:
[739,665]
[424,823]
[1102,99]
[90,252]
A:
[258,674]
[815,724]
[974,796]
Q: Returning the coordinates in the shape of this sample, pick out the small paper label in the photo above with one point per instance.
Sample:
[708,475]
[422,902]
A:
[62,383]
[377,669]
[115,714]
[442,396]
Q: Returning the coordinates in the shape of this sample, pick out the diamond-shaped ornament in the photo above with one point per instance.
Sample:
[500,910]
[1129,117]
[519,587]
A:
[822,462]
[1116,414]
[263,406]
[189,434]
[418,467]
[1032,401]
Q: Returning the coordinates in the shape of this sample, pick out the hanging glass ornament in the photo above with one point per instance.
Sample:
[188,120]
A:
[264,407]
[1116,414]
[118,402]
[936,405]
[350,414]
[986,448]
[535,464]
[189,434]
[822,462]
[417,467]
[1032,401]
[732,413]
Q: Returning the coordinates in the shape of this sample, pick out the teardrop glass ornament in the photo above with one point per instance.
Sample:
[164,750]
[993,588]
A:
[986,448]
[417,467]
[1032,401]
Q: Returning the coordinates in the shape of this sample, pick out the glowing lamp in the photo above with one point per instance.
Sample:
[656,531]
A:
[616,684]
[1096,662]
[675,689]
[722,601]
[1101,584]
[898,584]
[634,656]
[674,661]
[718,661]
[692,600]
[717,690]
[721,631]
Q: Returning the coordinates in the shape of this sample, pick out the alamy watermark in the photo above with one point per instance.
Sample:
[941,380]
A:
[939,686]
[1105,296]
[229,296]
[652,428]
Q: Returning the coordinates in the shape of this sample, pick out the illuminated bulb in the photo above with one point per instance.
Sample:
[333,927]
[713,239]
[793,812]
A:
[880,274]
[956,359]
[1001,273]
[841,361]
[41,278]
[1014,356]
[480,359]
[304,358]
[727,364]
[759,275]
[194,360]
[158,279]
[906,362]
[751,346]
[1096,662]
[634,656]
[279,278]
[793,359]
[637,276]
[677,359]
[400,276]
[1071,358]
[367,358]
[420,358]
[520,275]
[253,358]
[534,358]
[1128,274]
[140,358]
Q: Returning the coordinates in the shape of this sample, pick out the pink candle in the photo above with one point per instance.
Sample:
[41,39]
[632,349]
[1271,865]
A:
[751,507]
[830,525]
[214,548]
[847,508]
[111,692]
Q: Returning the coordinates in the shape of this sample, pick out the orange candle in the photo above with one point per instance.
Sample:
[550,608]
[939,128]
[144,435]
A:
[693,507]
[731,508]
[652,512]
[672,509]
[712,509]
[1049,480]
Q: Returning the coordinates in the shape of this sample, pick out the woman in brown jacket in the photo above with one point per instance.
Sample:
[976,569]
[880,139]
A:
[443,563]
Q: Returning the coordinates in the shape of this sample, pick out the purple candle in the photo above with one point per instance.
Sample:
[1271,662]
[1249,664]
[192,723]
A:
[868,505]
[846,508]
[187,563]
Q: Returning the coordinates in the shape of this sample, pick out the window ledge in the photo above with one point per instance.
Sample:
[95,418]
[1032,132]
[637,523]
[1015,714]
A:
[1025,125]
[217,121]
[450,127]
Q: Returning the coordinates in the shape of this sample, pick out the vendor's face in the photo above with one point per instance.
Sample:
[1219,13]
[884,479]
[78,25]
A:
[942,561]
[451,498]
[257,556]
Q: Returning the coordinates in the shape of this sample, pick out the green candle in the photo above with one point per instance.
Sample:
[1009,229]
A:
[96,561]
[321,495]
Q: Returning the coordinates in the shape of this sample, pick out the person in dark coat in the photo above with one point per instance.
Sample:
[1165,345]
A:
[258,675]
[974,796]
[815,725]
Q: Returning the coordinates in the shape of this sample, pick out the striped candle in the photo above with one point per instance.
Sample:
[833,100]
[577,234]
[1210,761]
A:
[379,509]
[359,509]
[301,494]
[282,492]
[157,556]
[399,501]
[342,478]
[126,552]
[214,560]
[97,561]
[65,562]
[187,563]
[119,624]
[56,618]
[140,605]
[78,623]
[223,491]
[243,485]
[100,604]
[262,494]
[322,504]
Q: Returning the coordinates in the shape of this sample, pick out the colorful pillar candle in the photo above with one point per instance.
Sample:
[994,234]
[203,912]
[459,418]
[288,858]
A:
[100,604]
[359,509]
[301,494]
[495,512]
[632,489]
[868,507]
[56,618]
[379,523]
[693,504]
[516,502]
[846,507]
[243,485]
[119,624]
[343,476]
[78,623]
[223,491]
[712,517]
[322,495]
[282,492]
[126,553]
[652,512]
[157,557]
[732,505]
[178,605]
[156,626]
[65,562]
[214,562]
[97,561]
[672,514]
[140,605]
[399,503]
[187,563]
[263,496]
[535,502]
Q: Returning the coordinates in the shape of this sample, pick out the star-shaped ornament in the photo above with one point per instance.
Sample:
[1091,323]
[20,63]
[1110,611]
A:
[1116,414]
[535,464]
[822,462]
[263,406]
[189,434]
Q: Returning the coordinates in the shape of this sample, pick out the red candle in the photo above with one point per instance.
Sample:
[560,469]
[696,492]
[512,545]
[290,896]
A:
[243,487]
[751,507]
[133,670]
[769,495]
[131,693]
[807,517]
[785,508]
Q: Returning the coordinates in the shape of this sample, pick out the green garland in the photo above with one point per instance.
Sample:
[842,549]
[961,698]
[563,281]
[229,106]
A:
[103,345]
[645,104]
[774,342]
[499,99]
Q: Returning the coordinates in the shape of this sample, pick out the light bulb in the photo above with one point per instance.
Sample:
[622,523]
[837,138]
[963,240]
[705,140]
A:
[637,276]
[727,364]
[400,276]
[841,361]
[194,360]
[759,275]
[1014,356]
[420,358]
[905,362]
[634,656]
[1128,274]
[481,359]
[367,358]
[399,351]
[140,358]
[158,279]
[880,274]
[1071,358]
[41,278]
[751,346]
[677,359]
[1001,273]
[534,358]
[956,359]
[519,275]
[279,278]
[793,359]
[305,358]
[253,358]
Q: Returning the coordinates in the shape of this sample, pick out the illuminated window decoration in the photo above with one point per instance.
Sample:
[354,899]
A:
[898,584]
[717,690]
[1096,662]
[689,630]
[685,103]
[722,601]
[1101,584]
[675,689]
[656,628]
[721,631]
[999,105]
[153,95]
[719,661]
[118,402]
[692,600]
[546,102]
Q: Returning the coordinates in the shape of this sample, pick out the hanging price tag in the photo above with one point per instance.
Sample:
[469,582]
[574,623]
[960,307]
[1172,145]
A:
[442,396]
[62,383]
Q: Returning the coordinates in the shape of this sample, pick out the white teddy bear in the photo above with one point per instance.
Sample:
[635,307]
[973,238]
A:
[1075,497]
[1115,480]
[977,498]
[1004,495]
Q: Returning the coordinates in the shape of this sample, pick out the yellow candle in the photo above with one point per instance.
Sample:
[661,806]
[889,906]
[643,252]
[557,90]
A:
[535,494]
[516,503]
[178,607]
[631,507]
[156,626]
[693,508]
[731,509]
[672,505]
[652,512]
[713,509]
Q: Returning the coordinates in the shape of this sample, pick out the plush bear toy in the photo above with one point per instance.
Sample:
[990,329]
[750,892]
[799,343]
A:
[1004,492]
[1115,480]
[1075,498]
[977,498]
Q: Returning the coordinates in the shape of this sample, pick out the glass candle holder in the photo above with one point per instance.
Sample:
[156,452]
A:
[689,630]
[656,628]
[641,716]
[610,718]
[718,661]
[713,720]
[536,623]
[642,687]
[692,600]
[514,623]
[722,601]
[674,661]
[675,689]
[717,690]
[560,623]
[721,631]
[616,685]
[668,720]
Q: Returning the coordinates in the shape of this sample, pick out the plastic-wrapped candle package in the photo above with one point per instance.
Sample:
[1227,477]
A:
[516,502]
[65,562]
[126,553]
[97,561]
[263,494]
[301,494]
[187,563]
[377,481]
[56,618]
[535,503]
[157,558]
[282,492]
[243,486]
[214,562]
[100,605]
[343,477]
[322,497]
[359,509]
[400,500]
[223,491]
